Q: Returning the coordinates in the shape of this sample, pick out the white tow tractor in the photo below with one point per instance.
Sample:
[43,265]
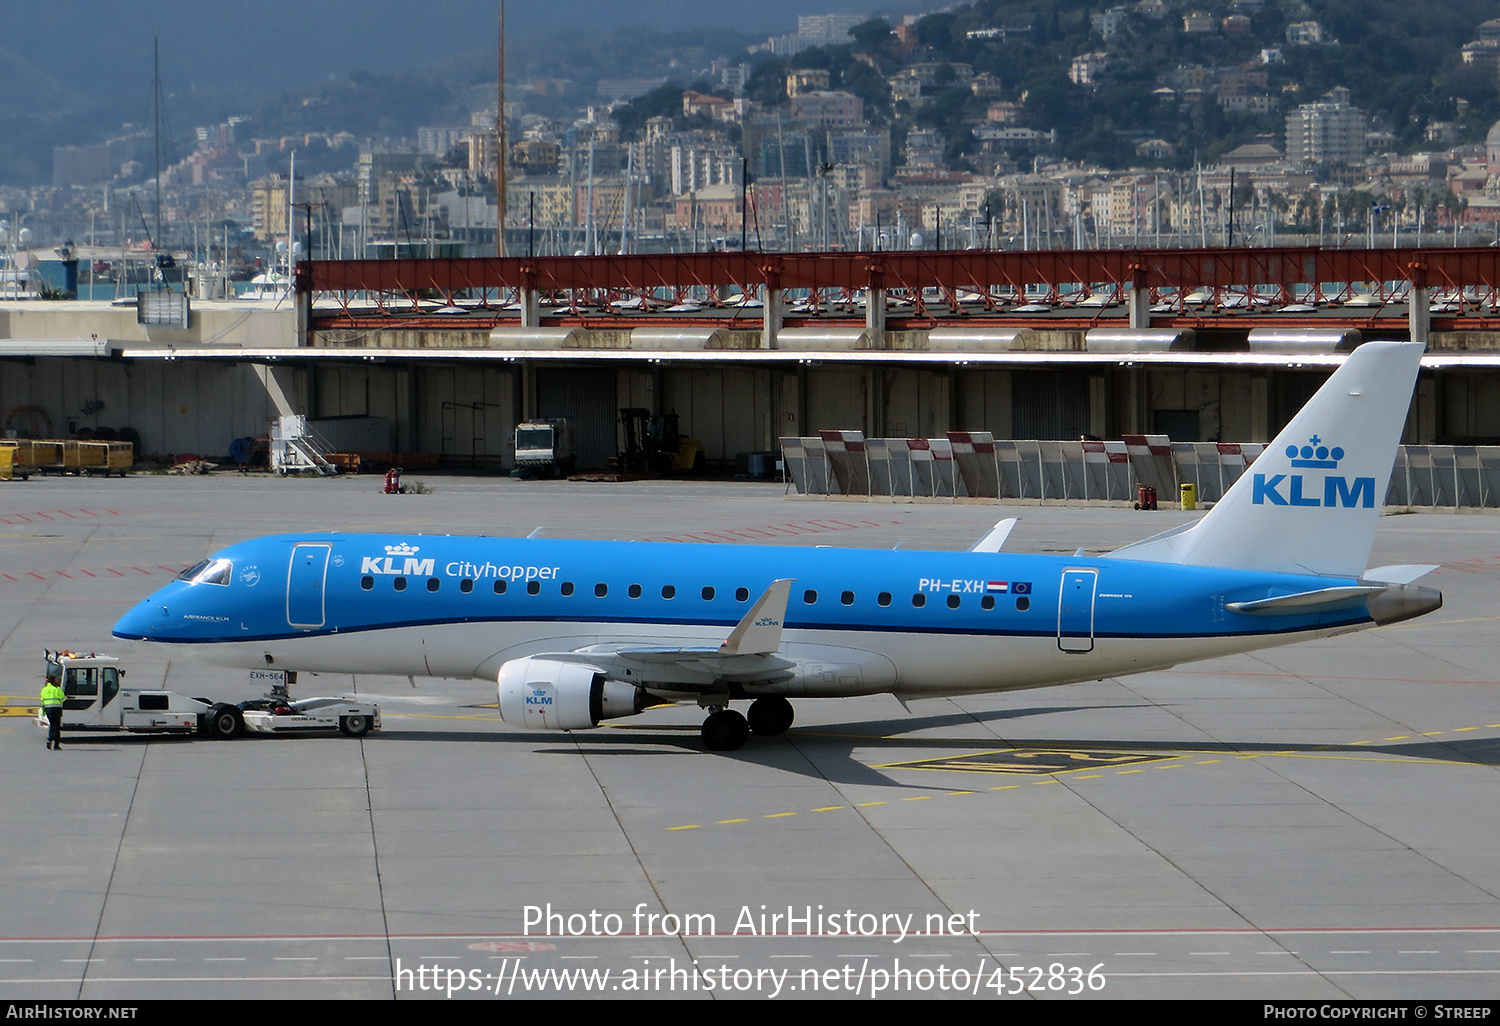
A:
[97,699]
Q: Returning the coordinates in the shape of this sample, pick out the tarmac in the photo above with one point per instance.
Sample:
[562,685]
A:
[1313,822]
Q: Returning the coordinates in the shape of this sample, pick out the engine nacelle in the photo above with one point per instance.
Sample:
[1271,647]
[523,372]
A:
[548,694]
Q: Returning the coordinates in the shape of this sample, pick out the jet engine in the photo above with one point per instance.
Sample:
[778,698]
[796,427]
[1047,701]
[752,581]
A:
[549,694]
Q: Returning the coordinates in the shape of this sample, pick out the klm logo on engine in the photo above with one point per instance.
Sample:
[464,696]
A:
[1307,490]
[399,560]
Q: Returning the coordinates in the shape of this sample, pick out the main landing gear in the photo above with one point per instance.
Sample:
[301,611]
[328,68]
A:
[726,730]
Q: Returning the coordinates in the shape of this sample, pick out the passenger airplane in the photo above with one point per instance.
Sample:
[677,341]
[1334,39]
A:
[577,632]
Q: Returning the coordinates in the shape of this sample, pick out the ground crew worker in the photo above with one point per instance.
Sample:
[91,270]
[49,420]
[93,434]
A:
[52,704]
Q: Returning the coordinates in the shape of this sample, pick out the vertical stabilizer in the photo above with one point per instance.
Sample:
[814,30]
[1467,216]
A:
[1310,502]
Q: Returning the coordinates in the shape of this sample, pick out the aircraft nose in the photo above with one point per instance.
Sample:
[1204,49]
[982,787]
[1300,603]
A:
[148,619]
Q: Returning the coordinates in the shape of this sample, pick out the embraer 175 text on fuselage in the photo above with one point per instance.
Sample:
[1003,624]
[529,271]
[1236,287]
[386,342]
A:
[576,632]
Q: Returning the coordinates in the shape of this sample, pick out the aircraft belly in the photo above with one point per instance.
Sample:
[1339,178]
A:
[828,665]
[976,664]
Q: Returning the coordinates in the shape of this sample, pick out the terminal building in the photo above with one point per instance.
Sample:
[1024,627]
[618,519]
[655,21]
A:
[445,357]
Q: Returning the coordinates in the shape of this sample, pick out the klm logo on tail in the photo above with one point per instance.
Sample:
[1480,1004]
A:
[1303,490]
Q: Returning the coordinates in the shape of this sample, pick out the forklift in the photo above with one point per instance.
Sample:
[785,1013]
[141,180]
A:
[653,445]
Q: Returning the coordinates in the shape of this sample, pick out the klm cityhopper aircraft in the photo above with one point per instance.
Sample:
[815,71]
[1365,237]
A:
[576,632]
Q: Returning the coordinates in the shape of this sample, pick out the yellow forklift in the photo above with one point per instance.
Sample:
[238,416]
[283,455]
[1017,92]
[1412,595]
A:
[654,445]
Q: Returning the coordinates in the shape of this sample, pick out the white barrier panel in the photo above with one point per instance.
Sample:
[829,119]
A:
[1020,465]
[976,465]
[846,459]
[890,466]
[934,472]
[807,465]
[974,452]
[1107,471]
[1151,459]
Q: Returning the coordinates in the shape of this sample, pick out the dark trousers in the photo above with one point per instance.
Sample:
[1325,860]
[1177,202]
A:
[54,726]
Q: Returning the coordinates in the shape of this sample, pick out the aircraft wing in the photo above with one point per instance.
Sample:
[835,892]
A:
[747,656]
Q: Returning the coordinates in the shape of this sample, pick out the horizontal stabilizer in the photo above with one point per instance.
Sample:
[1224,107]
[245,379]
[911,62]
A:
[1403,574]
[1304,602]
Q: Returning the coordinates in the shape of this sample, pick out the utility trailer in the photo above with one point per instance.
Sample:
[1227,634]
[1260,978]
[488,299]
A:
[98,699]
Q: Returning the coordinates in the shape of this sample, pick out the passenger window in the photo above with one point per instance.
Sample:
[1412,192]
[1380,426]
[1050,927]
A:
[433,584]
[988,602]
[1023,603]
[601,590]
[533,587]
[367,583]
[953,601]
[567,588]
[809,596]
[847,598]
[708,594]
[742,594]
[668,591]
[635,591]
[399,584]
[919,600]
[499,587]
[465,585]
[884,598]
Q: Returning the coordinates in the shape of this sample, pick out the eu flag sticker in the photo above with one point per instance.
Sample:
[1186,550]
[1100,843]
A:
[1020,587]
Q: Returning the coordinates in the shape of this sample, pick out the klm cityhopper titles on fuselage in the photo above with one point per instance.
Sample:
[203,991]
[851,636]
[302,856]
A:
[578,632]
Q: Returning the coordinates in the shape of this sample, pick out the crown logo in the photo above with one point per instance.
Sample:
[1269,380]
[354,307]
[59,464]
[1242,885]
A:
[1315,454]
[402,549]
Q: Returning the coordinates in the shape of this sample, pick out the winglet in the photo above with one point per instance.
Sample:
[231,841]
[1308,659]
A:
[759,633]
[996,538]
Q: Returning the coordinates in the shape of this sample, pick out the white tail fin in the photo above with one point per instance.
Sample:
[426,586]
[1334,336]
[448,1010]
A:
[1311,500]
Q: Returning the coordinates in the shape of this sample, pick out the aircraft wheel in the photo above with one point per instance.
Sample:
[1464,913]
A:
[354,726]
[224,722]
[725,731]
[770,715]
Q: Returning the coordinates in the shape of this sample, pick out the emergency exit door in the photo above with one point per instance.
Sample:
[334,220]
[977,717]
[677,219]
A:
[1075,610]
[305,584]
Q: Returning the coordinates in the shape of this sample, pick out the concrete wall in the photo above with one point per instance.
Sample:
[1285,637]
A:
[257,325]
[177,405]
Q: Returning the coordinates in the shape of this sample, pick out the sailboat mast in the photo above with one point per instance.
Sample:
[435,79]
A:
[500,147]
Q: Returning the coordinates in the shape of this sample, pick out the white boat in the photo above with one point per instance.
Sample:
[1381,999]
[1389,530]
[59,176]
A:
[269,285]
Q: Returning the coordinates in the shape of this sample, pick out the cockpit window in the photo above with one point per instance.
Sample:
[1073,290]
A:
[193,571]
[210,571]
